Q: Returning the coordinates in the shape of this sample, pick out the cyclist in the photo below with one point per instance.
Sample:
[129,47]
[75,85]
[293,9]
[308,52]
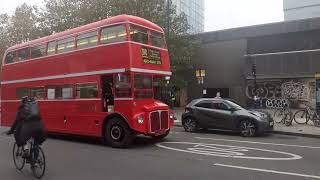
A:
[28,124]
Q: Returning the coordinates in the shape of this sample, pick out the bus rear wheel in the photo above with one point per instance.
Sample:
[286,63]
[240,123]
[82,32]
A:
[118,134]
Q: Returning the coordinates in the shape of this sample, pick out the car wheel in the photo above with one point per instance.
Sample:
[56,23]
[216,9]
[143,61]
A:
[190,124]
[248,128]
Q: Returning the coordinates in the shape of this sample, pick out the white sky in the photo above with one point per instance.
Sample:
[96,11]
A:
[219,14]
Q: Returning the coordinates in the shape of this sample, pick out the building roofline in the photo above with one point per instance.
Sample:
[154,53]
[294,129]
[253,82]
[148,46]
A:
[261,30]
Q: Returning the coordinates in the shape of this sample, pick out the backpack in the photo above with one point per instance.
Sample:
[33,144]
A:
[32,110]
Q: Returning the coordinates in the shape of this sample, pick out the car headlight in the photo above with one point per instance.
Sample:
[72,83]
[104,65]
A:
[140,119]
[171,116]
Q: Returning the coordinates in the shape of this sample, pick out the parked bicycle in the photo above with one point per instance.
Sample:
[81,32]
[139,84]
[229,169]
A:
[35,158]
[280,113]
[283,115]
[303,116]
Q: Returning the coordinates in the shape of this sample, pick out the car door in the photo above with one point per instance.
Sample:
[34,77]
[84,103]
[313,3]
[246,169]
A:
[223,115]
[204,113]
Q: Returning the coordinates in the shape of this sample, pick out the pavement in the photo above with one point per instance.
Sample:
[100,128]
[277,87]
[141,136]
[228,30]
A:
[307,130]
[205,155]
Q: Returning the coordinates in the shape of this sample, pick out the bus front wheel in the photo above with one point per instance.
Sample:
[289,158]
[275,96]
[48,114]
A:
[118,134]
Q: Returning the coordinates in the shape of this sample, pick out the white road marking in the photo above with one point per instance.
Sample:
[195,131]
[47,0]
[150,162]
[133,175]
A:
[268,171]
[254,142]
[227,151]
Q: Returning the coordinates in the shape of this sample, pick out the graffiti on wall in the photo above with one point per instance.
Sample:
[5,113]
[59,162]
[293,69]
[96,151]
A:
[282,92]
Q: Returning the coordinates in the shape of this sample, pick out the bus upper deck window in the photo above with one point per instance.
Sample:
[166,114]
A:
[157,40]
[113,34]
[87,40]
[52,48]
[38,51]
[10,57]
[65,45]
[139,34]
[23,54]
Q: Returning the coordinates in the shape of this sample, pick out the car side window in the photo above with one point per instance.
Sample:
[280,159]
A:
[220,106]
[204,104]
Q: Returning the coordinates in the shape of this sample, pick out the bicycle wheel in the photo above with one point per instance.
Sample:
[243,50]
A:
[279,115]
[18,160]
[301,117]
[38,166]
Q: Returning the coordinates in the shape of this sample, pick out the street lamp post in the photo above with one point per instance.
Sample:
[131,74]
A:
[254,74]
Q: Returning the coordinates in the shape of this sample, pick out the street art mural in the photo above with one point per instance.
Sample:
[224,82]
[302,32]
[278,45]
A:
[279,93]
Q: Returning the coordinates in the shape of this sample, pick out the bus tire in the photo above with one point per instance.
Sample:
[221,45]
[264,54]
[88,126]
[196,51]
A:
[118,134]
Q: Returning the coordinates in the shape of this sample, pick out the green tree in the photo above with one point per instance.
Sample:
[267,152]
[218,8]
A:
[24,25]
[4,23]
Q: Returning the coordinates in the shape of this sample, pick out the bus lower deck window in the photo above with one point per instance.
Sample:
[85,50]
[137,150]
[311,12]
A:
[123,86]
[87,91]
[21,92]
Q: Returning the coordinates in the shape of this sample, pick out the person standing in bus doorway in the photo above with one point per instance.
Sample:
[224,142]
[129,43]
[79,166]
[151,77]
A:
[108,97]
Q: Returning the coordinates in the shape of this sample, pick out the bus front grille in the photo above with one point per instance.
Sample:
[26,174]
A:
[159,120]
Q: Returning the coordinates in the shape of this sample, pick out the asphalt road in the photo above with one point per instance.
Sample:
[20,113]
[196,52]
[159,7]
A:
[205,155]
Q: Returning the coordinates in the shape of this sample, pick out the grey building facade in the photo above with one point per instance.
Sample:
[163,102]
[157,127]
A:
[194,10]
[301,9]
[287,59]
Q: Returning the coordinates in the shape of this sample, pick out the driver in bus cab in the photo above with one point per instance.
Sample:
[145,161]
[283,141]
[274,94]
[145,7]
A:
[28,124]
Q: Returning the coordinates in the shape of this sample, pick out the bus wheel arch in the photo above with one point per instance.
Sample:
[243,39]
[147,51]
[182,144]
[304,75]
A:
[117,132]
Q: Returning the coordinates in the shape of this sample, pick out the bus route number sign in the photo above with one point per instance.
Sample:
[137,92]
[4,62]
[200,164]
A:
[151,56]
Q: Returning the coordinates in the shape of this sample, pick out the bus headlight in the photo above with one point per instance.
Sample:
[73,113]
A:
[140,119]
[172,117]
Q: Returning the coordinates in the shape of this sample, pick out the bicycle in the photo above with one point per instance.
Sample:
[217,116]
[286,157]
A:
[35,158]
[303,116]
[287,118]
[281,113]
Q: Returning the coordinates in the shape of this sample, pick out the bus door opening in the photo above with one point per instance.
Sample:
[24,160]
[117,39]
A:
[107,93]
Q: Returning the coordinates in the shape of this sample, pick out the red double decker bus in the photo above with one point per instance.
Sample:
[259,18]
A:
[96,80]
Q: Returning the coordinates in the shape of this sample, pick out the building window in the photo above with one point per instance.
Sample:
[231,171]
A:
[38,51]
[87,40]
[87,91]
[123,86]
[157,40]
[22,92]
[38,93]
[10,57]
[51,48]
[139,35]
[113,34]
[23,54]
[65,45]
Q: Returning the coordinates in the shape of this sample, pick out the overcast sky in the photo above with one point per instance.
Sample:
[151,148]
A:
[219,14]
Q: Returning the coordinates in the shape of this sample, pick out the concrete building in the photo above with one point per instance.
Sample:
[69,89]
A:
[301,9]
[194,10]
[286,54]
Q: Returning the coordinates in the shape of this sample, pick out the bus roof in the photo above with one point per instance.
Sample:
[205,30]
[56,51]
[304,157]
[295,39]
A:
[109,21]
